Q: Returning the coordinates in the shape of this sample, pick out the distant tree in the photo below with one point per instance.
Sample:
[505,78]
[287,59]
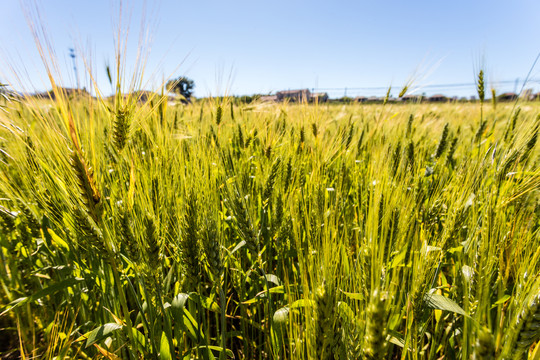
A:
[345,99]
[245,99]
[183,86]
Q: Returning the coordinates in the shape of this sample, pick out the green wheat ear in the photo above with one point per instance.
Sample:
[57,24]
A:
[348,139]
[151,256]
[152,243]
[126,234]
[494,98]
[212,248]
[219,114]
[87,229]
[190,242]
[442,142]
[507,164]
[360,144]
[480,132]
[525,330]
[387,96]
[396,157]
[287,177]
[244,226]
[451,151]
[529,323]
[31,219]
[271,180]
[88,190]
[403,91]
[353,338]
[325,334]
[121,126]
[240,136]
[408,132]
[409,153]
[301,140]
[480,86]
[314,129]
[375,336]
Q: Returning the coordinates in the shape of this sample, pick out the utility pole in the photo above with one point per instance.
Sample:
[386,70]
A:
[73,56]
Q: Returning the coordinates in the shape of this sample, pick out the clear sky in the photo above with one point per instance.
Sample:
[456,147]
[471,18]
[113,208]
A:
[248,47]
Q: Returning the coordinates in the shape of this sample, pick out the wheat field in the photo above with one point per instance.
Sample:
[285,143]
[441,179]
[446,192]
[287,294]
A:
[152,230]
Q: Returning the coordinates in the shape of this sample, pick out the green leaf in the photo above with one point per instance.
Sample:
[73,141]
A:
[275,290]
[396,338]
[179,301]
[57,240]
[217,348]
[273,279]
[164,350]
[353,296]
[456,250]
[206,302]
[502,300]
[398,260]
[439,302]
[301,303]
[238,247]
[182,316]
[279,326]
[281,316]
[42,293]
[140,340]
[99,333]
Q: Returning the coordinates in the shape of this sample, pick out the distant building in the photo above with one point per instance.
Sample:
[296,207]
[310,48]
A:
[319,97]
[411,98]
[374,99]
[268,98]
[438,98]
[509,96]
[360,99]
[294,95]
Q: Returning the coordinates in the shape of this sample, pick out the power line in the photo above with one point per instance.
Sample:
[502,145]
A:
[430,86]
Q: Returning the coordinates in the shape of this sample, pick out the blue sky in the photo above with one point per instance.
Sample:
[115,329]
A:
[246,47]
